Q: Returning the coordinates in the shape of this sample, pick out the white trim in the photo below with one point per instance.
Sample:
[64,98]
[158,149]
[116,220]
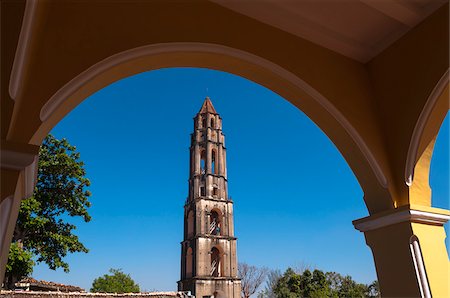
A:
[20,57]
[71,87]
[5,211]
[419,267]
[368,224]
[30,177]
[420,126]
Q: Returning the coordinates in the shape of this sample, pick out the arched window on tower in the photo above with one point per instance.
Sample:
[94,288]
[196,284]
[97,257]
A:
[189,262]
[215,226]
[202,191]
[212,123]
[204,123]
[203,162]
[213,162]
[215,262]
[190,224]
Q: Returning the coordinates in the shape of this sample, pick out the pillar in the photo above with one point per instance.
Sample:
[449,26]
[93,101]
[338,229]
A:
[408,246]
[18,178]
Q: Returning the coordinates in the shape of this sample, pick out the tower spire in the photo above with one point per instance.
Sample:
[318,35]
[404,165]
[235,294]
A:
[208,255]
[207,107]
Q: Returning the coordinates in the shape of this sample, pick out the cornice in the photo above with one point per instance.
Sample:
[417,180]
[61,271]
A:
[438,217]
[17,156]
[208,236]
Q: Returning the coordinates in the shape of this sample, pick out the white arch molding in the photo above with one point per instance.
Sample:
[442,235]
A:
[71,87]
[424,116]
[22,51]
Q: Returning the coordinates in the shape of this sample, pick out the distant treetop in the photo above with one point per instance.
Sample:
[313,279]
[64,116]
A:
[117,282]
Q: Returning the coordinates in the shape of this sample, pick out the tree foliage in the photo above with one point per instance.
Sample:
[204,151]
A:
[317,284]
[251,278]
[20,263]
[42,228]
[117,282]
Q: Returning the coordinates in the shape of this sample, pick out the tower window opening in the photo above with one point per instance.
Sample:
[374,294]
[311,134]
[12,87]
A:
[215,191]
[202,165]
[215,262]
[204,123]
[212,123]
[202,162]
[202,191]
[215,225]
[213,162]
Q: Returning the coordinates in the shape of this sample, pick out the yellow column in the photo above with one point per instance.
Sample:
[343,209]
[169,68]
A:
[18,178]
[408,245]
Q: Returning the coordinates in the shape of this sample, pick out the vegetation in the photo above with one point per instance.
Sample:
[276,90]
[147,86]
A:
[20,263]
[117,282]
[316,284]
[251,278]
[42,231]
[271,282]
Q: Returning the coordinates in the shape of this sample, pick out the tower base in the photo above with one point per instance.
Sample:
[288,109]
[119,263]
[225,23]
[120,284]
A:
[212,287]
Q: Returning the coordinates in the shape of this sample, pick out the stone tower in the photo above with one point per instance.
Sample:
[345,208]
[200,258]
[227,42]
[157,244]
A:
[208,251]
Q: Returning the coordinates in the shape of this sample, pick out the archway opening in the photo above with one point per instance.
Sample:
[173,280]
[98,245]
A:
[439,172]
[277,183]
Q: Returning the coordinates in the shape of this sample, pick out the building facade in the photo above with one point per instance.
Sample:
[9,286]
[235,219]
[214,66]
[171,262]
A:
[208,250]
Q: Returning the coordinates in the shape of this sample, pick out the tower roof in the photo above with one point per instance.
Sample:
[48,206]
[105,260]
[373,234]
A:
[207,107]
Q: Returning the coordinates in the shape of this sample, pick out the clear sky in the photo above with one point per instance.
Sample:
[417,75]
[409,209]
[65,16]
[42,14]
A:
[295,196]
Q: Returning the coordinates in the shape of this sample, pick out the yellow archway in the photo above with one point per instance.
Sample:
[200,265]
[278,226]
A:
[371,110]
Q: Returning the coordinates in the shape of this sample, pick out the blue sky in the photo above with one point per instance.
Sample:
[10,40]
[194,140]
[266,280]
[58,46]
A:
[295,196]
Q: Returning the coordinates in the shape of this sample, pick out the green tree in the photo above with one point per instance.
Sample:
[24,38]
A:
[117,282]
[349,288]
[320,284]
[20,263]
[42,229]
[271,282]
[287,285]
